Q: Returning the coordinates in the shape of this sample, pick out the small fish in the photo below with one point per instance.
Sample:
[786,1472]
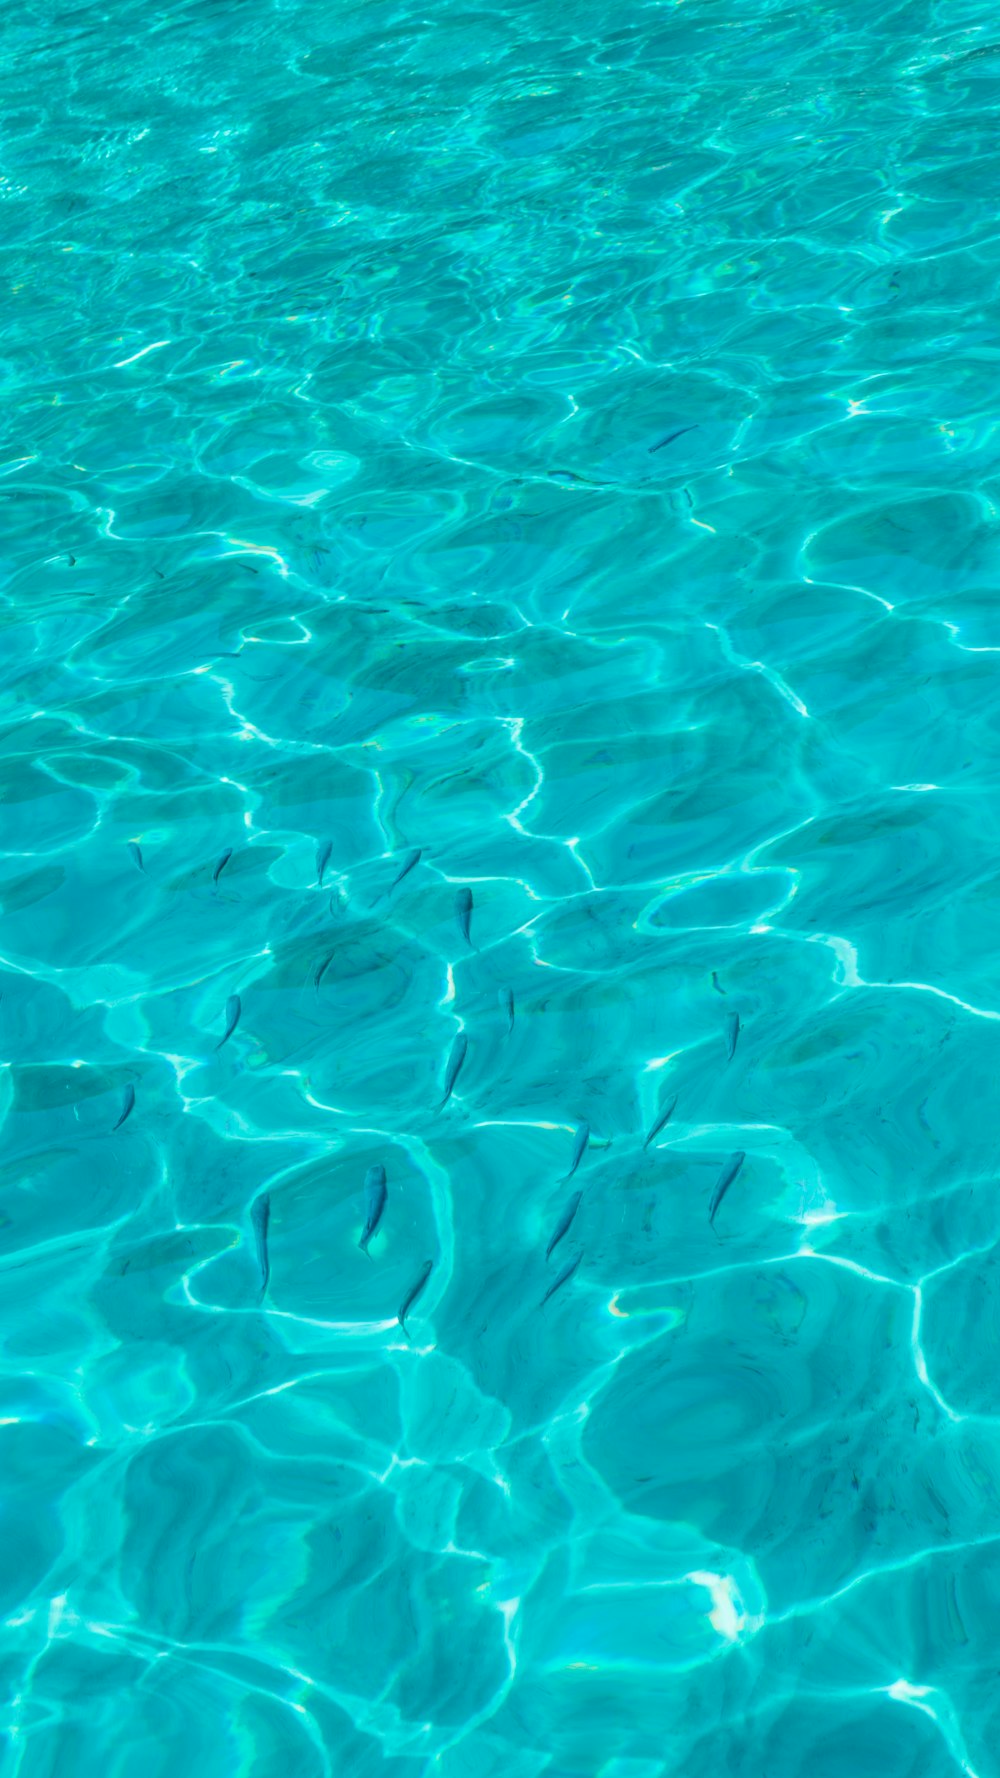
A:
[670,439]
[463,913]
[234,1007]
[375,1197]
[664,1118]
[715,982]
[260,1217]
[565,478]
[563,1278]
[459,1050]
[579,1147]
[725,1180]
[410,862]
[507,1002]
[136,851]
[323,858]
[324,966]
[564,1223]
[413,1293]
[223,861]
[732,1033]
[128,1100]
[72,561]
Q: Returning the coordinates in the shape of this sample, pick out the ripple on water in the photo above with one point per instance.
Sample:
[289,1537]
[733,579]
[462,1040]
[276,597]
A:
[550,460]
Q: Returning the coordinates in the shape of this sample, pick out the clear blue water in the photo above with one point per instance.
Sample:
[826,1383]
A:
[562,442]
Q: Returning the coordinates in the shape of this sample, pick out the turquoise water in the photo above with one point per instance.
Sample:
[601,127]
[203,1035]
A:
[560,443]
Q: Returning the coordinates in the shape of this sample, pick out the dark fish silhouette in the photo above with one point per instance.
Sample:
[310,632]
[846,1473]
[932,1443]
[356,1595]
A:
[375,1197]
[260,1217]
[324,966]
[459,1050]
[463,913]
[507,1002]
[223,861]
[563,1278]
[670,439]
[564,1222]
[323,858]
[136,851]
[715,982]
[234,1007]
[411,860]
[732,1033]
[725,1180]
[413,1293]
[579,1147]
[128,1100]
[664,1118]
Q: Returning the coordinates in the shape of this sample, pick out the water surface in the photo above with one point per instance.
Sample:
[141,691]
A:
[559,442]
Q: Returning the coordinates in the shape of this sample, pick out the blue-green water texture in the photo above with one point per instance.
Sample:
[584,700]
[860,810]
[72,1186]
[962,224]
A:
[500,887]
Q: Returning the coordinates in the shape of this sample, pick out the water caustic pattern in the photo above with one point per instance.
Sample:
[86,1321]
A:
[500,1015]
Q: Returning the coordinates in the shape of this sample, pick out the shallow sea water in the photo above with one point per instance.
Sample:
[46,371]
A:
[559,441]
